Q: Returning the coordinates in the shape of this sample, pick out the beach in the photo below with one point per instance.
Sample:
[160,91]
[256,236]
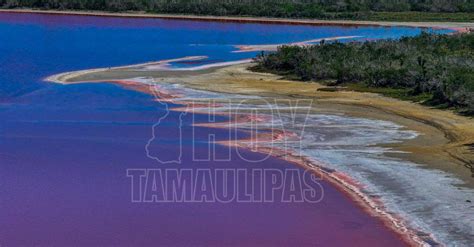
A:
[445,138]
[442,142]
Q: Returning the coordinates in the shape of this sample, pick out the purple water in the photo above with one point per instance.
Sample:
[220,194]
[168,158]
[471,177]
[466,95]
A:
[65,149]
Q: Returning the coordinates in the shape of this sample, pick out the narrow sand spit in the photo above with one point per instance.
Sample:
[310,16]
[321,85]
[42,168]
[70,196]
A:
[445,141]
[274,47]
[156,65]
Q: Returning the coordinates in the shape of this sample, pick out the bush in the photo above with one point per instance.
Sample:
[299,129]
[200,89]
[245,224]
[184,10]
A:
[440,65]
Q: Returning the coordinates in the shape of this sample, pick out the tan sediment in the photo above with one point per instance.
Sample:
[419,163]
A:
[444,135]
[458,26]
[274,47]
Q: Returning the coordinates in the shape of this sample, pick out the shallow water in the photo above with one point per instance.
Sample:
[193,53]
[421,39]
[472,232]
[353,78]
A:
[65,149]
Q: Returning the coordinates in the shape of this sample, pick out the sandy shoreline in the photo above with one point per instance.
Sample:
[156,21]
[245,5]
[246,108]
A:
[445,137]
[440,145]
[458,26]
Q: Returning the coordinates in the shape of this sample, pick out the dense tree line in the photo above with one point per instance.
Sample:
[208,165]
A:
[272,8]
[441,66]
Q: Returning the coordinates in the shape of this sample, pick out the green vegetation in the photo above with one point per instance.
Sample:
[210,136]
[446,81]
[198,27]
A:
[455,10]
[436,69]
[418,16]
